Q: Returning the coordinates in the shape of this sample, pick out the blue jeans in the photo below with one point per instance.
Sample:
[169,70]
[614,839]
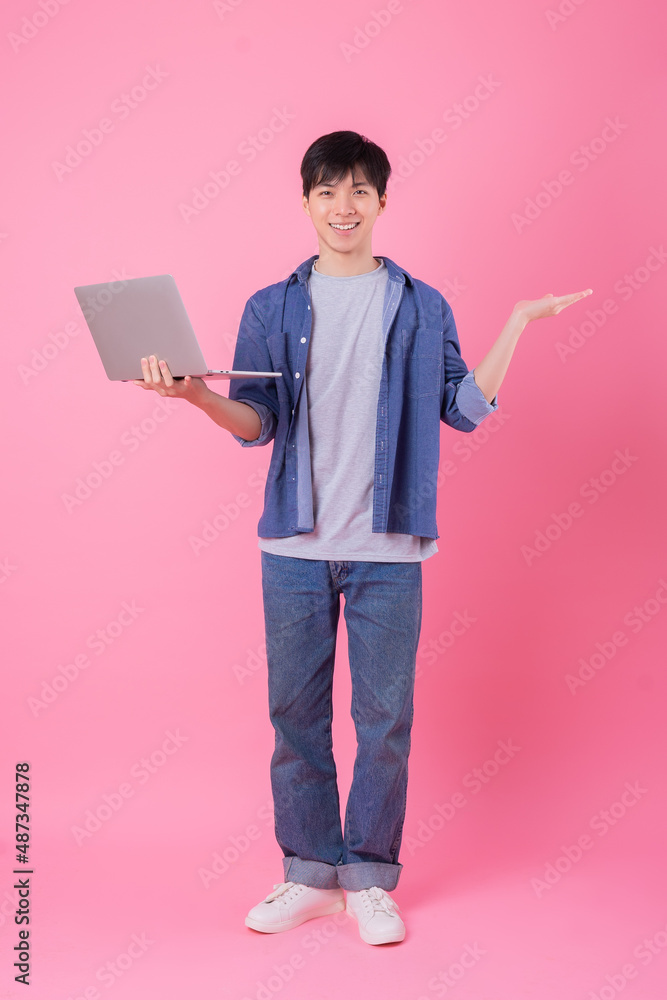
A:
[383,611]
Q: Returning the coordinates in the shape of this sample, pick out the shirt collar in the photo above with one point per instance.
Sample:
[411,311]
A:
[394,272]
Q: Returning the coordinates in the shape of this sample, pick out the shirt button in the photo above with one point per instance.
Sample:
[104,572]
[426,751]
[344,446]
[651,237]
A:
[292,411]
[303,340]
[296,375]
[309,307]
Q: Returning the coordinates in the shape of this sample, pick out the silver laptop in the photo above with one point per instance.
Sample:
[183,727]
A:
[133,318]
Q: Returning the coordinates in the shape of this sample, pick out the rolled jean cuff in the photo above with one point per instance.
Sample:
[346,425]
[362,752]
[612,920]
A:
[316,874]
[364,874]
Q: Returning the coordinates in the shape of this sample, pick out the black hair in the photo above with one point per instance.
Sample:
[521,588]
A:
[329,158]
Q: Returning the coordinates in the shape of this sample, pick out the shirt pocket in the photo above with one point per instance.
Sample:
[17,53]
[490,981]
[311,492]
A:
[422,362]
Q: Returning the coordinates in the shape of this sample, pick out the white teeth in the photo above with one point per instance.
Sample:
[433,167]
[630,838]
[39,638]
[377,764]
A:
[350,225]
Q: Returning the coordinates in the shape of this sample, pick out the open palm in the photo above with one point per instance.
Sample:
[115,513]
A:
[548,305]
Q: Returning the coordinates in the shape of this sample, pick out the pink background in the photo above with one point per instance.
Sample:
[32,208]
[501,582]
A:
[188,660]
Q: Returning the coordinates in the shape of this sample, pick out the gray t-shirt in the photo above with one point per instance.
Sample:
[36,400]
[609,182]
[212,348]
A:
[342,384]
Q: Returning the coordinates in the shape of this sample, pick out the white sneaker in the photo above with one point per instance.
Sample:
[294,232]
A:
[375,911]
[290,904]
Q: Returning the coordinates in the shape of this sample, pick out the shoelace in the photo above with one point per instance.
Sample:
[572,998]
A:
[283,889]
[379,901]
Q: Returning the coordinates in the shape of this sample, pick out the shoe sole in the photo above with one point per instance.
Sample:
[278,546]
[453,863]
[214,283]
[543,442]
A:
[287,925]
[379,939]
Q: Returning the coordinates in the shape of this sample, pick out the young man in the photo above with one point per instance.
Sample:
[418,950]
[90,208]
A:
[371,365]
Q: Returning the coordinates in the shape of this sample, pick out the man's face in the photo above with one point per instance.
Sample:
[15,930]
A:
[353,203]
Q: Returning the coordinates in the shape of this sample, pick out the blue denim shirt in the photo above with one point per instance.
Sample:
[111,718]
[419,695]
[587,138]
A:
[424,381]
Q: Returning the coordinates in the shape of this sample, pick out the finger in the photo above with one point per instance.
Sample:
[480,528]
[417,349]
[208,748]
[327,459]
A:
[166,374]
[567,300]
[146,371]
[155,371]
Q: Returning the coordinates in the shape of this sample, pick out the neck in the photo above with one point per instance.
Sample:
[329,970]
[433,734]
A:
[339,265]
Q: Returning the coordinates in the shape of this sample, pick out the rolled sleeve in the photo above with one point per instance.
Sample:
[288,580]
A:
[252,354]
[472,402]
[464,405]
[268,419]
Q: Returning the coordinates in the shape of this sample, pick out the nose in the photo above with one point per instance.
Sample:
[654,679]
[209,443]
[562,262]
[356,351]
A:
[343,205]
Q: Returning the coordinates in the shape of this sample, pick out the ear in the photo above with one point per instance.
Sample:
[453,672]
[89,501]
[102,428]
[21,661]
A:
[383,203]
[306,207]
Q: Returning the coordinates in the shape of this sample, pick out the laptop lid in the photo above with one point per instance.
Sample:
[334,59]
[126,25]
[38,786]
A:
[136,317]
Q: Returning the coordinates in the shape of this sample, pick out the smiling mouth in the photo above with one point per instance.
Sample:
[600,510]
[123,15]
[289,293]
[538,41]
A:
[346,228]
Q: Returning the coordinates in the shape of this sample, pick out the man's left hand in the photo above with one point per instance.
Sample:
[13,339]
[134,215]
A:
[549,305]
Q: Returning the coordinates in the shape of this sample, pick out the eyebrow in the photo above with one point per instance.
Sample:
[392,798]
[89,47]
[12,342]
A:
[354,184]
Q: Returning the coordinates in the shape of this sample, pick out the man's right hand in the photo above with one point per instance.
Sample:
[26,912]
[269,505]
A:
[236,417]
[158,377]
